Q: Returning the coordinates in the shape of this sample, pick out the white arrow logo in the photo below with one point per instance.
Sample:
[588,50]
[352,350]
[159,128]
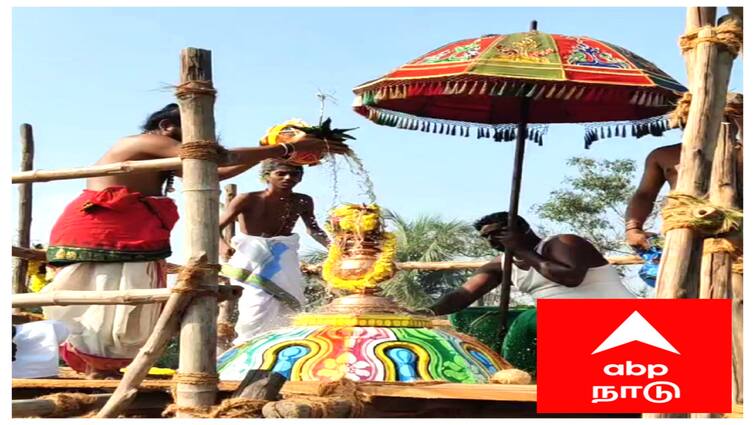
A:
[635,328]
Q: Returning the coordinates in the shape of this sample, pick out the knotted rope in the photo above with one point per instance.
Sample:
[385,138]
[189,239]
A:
[727,35]
[206,150]
[70,404]
[228,408]
[191,275]
[719,245]
[226,331]
[738,266]
[195,87]
[723,245]
[684,211]
[190,378]
[195,378]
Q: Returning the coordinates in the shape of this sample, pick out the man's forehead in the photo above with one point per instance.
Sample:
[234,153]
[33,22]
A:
[490,227]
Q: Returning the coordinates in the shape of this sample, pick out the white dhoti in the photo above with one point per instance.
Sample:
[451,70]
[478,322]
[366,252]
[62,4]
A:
[106,337]
[268,270]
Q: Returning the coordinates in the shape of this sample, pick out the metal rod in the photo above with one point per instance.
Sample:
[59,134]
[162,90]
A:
[516,185]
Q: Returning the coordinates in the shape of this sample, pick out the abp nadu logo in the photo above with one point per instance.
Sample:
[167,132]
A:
[634,356]
[636,328]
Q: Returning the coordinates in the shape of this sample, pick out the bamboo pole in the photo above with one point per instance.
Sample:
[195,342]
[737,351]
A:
[680,264]
[28,253]
[230,193]
[47,407]
[715,274]
[23,237]
[226,309]
[697,17]
[128,297]
[125,167]
[623,260]
[165,328]
[201,191]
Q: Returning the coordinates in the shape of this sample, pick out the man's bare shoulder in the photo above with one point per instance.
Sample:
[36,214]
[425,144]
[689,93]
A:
[569,240]
[665,152]
[302,197]
[249,195]
[137,147]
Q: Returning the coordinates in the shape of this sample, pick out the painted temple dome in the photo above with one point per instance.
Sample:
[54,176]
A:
[327,352]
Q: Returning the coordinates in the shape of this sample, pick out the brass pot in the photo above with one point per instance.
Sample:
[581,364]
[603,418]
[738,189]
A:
[356,266]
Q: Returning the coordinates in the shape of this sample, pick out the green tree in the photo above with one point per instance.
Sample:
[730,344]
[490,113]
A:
[592,203]
[430,238]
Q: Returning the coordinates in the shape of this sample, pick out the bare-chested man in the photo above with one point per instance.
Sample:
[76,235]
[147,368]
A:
[661,167]
[116,235]
[265,261]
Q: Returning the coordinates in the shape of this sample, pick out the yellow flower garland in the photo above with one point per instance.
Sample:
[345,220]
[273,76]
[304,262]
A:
[382,269]
[355,218]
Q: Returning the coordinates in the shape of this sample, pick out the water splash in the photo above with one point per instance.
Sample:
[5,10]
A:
[356,167]
[331,160]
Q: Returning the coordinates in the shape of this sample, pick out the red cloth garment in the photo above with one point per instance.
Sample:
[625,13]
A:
[87,363]
[113,225]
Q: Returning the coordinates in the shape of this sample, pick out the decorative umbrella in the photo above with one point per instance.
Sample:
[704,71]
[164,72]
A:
[508,87]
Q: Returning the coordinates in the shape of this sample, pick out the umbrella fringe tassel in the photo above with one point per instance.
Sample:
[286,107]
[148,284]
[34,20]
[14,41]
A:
[655,126]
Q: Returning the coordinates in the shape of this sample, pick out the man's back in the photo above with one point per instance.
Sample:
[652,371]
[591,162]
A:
[136,148]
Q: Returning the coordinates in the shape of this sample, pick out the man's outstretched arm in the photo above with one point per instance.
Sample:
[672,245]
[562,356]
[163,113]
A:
[308,215]
[483,281]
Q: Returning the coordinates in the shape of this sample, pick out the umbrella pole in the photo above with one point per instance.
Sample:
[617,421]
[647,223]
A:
[516,185]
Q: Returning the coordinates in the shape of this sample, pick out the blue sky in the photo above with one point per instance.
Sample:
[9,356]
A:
[84,77]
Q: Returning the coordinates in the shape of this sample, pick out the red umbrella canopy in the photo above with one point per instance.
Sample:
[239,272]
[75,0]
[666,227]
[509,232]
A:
[482,81]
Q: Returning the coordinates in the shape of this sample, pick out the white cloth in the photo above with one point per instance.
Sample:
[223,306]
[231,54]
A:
[599,282]
[37,344]
[111,331]
[268,270]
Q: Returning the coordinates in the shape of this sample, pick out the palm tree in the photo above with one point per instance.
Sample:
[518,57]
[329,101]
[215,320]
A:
[428,238]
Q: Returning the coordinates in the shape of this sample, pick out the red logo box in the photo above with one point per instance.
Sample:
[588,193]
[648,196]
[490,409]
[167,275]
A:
[634,356]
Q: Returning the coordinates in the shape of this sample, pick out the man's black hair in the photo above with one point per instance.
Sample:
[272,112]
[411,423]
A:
[271,164]
[170,112]
[501,217]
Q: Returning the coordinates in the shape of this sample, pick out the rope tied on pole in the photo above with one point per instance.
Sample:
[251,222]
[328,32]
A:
[191,274]
[684,211]
[70,404]
[206,150]
[195,378]
[738,266]
[720,245]
[226,331]
[727,35]
[195,87]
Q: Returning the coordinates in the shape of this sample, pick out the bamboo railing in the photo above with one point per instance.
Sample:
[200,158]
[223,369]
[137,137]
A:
[307,268]
[128,297]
